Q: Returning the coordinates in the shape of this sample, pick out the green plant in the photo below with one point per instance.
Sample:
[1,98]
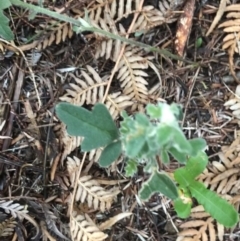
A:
[141,139]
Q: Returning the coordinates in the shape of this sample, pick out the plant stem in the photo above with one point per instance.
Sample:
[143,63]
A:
[76,22]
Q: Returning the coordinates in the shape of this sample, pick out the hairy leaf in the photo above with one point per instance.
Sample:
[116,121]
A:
[96,126]
[164,157]
[131,168]
[164,135]
[134,134]
[180,157]
[181,143]
[110,154]
[158,182]
[218,207]
[198,144]
[154,111]
[5,4]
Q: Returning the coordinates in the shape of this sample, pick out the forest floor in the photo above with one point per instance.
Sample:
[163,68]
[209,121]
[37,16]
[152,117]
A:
[35,184]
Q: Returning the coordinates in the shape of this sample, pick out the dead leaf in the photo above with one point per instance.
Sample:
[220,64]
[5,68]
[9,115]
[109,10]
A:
[110,222]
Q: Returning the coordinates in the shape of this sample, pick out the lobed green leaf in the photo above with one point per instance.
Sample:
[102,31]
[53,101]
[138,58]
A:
[96,126]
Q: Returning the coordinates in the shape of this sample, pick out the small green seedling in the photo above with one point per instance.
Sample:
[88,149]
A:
[141,139]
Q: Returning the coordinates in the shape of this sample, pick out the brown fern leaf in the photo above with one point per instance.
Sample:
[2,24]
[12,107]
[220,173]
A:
[149,16]
[108,48]
[222,176]
[83,228]
[88,189]
[231,27]
[117,102]
[50,33]
[201,227]
[234,103]
[231,40]
[96,196]
[131,75]
[89,89]
[17,210]
[7,227]
[111,16]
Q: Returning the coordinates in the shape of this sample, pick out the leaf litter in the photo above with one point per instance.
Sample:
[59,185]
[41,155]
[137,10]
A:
[36,151]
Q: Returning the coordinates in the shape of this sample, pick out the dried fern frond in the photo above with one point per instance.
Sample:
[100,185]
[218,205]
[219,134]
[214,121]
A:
[96,196]
[201,227]
[83,228]
[148,17]
[108,48]
[131,74]
[234,103]
[231,27]
[51,219]
[17,210]
[88,189]
[33,57]
[111,16]
[51,33]
[89,89]
[7,227]
[222,176]
[57,33]
[111,221]
[231,40]
[151,17]
[45,234]
[117,102]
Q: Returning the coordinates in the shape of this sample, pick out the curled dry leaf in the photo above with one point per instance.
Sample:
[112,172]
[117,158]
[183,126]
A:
[184,27]
[111,221]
